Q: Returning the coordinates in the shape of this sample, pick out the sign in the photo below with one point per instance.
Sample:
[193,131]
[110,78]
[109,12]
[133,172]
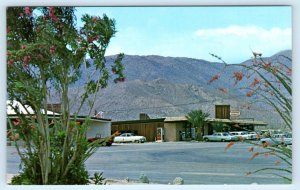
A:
[235,113]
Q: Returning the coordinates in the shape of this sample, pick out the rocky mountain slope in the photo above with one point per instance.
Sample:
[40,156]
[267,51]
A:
[170,86]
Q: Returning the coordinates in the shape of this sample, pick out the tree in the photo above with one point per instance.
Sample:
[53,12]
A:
[265,81]
[271,84]
[47,52]
[197,119]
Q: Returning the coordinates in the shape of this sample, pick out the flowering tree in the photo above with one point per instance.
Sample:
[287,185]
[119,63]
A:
[46,51]
[268,80]
[271,84]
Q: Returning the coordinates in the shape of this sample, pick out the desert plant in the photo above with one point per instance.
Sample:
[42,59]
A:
[272,85]
[47,53]
[98,179]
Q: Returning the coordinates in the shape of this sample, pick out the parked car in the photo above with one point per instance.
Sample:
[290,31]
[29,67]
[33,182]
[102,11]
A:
[129,137]
[278,139]
[254,135]
[220,137]
[241,135]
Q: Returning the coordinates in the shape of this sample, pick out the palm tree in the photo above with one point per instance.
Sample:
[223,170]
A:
[197,119]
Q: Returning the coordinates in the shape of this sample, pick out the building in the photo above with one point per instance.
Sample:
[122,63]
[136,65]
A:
[99,127]
[179,129]
[152,129]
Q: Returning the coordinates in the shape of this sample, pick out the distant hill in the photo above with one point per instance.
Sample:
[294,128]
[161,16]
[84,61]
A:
[171,86]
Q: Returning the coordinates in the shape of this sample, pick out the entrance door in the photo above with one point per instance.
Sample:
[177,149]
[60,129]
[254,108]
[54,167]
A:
[160,134]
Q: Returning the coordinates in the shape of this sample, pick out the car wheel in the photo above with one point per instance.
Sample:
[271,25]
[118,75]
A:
[222,140]
[206,139]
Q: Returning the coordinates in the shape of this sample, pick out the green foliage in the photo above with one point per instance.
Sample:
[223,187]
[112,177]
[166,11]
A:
[46,52]
[98,179]
[197,119]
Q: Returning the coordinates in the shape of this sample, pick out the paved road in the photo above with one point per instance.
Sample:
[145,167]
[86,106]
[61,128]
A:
[196,163]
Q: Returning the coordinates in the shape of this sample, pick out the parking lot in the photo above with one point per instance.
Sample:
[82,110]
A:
[196,163]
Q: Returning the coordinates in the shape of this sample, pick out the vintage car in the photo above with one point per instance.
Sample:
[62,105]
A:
[278,139]
[254,135]
[222,136]
[242,135]
[129,137]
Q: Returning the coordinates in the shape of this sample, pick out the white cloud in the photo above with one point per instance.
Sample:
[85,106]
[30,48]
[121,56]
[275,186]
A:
[244,31]
[234,42]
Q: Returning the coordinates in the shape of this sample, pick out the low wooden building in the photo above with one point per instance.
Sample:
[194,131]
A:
[179,129]
[149,128]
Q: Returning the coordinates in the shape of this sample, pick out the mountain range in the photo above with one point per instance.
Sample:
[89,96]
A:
[172,86]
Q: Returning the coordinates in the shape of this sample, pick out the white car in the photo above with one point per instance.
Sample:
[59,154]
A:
[220,137]
[254,135]
[278,139]
[129,137]
[241,134]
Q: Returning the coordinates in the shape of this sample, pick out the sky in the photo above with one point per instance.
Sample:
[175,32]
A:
[230,32]
[195,32]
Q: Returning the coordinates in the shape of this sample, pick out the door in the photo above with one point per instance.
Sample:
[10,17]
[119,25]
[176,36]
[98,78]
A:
[159,134]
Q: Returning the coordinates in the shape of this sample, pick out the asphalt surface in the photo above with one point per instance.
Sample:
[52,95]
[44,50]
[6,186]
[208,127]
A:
[196,163]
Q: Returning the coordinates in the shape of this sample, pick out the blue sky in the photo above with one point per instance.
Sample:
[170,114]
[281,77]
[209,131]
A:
[230,32]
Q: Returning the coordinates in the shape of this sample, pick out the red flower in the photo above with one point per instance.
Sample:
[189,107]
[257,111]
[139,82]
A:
[230,144]
[90,39]
[255,82]
[277,162]
[238,76]
[216,77]
[249,94]
[289,72]
[52,14]
[258,136]
[51,11]
[267,65]
[254,155]
[14,137]
[52,50]
[26,59]
[28,11]
[16,122]
[94,19]
[224,90]
[23,46]
[274,70]
[54,18]
[10,62]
